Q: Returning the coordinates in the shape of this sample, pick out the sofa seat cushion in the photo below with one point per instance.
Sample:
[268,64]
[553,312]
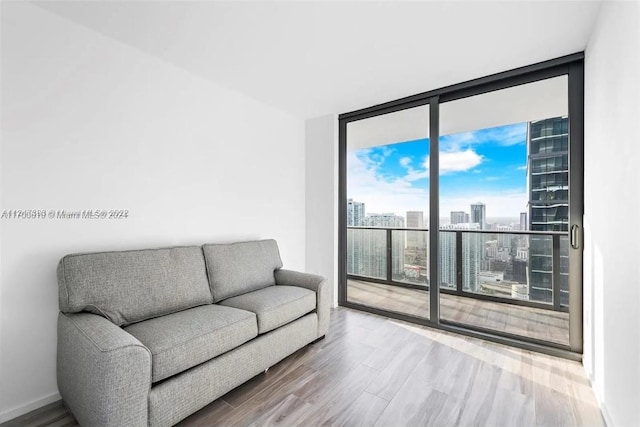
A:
[276,305]
[179,341]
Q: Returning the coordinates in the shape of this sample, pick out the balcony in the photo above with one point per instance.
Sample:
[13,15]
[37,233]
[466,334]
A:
[514,282]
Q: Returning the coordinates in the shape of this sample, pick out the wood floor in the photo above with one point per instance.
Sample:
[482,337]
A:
[375,371]
[530,322]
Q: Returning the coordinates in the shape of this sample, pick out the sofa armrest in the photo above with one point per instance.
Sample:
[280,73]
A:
[313,282]
[104,373]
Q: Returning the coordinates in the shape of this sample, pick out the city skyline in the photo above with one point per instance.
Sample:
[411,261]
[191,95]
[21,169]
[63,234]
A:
[518,266]
[486,164]
[358,216]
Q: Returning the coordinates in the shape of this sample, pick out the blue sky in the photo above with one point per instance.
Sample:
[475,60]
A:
[487,165]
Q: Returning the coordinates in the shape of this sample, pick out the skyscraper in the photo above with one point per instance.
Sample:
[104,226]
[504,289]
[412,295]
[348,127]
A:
[504,238]
[367,248]
[479,215]
[447,257]
[355,237]
[472,250]
[548,152]
[355,213]
[459,217]
[416,239]
[523,221]
[415,219]
[384,220]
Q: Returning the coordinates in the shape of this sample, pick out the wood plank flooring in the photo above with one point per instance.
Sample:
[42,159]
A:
[375,371]
[53,415]
[531,322]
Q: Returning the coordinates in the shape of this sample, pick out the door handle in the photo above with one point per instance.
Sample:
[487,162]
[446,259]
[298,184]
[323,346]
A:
[575,236]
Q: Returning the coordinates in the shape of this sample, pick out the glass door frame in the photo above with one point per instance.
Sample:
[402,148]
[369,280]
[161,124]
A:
[571,66]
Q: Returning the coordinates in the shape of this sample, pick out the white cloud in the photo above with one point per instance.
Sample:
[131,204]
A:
[366,184]
[511,135]
[450,161]
[415,175]
[522,168]
[504,136]
[379,194]
[459,161]
[456,141]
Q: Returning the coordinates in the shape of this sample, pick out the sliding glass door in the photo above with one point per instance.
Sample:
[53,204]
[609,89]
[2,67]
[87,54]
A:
[504,203]
[461,208]
[387,196]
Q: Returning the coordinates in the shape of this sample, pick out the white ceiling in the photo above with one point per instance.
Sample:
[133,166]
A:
[315,58]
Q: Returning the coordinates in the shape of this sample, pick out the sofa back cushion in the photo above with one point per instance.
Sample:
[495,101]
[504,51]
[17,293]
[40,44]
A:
[131,286]
[238,268]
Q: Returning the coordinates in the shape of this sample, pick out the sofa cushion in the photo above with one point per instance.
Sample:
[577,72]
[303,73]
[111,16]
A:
[182,340]
[276,305]
[131,286]
[238,268]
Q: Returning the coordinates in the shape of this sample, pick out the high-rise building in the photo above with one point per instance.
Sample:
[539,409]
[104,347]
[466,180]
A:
[523,221]
[548,155]
[472,255]
[479,215]
[355,213]
[375,248]
[384,220]
[372,248]
[367,248]
[355,237]
[504,238]
[416,239]
[548,151]
[415,219]
[459,217]
[447,257]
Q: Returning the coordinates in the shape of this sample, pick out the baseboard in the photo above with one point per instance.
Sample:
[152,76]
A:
[32,406]
[603,408]
[605,414]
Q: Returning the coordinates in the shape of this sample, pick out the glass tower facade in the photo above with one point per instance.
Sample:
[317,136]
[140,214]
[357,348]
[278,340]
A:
[479,215]
[548,153]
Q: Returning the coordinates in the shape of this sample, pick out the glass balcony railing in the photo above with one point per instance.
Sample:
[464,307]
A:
[524,266]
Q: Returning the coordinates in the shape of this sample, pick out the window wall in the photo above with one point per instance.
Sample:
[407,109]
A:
[516,230]
[387,182]
[461,207]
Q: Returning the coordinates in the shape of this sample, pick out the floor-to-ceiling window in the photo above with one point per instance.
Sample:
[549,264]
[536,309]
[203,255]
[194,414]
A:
[461,208]
[387,197]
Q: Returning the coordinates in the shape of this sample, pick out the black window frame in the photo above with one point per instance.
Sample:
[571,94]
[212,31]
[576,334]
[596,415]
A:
[571,66]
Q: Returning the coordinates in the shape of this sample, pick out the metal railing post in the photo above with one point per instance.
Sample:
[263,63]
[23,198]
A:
[555,271]
[389,256]
[459,262]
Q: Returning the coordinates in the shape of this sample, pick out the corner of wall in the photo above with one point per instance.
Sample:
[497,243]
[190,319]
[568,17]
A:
[321,197]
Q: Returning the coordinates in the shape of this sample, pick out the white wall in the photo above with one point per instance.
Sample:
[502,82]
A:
[612,204]
[321,142]
[90,123]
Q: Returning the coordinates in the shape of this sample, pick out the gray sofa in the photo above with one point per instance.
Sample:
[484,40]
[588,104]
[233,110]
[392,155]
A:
[148,337]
